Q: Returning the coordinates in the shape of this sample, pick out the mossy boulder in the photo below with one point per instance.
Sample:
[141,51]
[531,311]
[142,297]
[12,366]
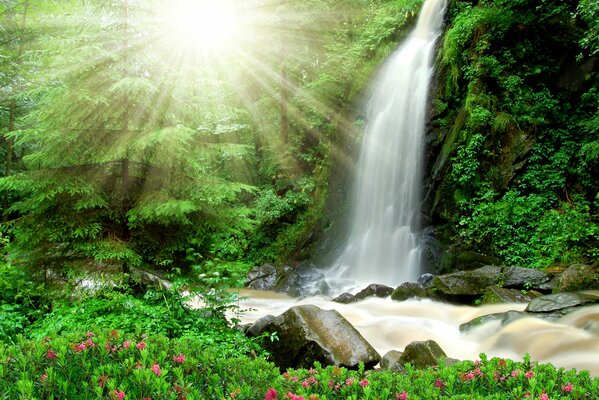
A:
[307,334]
[408,290]
[497,295]
[422,354]
[578,277]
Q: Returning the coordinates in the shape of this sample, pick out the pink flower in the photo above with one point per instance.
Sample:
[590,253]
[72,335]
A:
[141,345]
[544,396]
[179,359]
[364,383]
[311,371]
[114,334]
[89,334]
[477,372]
[44,377]
[51,354]
[439,383]
[349,381]
[468,377]
[567,388]
[402,396]
[529,375]
[515,373]
[235,393]
[119,394]
[79,347]
[156,369]
[127,344]
[271,394]
[294,378]
[477,363]
[312,380]
[90,343]
[305,384]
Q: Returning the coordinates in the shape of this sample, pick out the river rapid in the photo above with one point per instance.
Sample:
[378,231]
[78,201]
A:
[570,342]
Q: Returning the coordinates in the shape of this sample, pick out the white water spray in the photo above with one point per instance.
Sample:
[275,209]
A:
[383,245]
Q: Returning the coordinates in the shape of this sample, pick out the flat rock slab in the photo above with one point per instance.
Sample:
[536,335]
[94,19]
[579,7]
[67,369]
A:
[307,333]
[476,281]
[561,301]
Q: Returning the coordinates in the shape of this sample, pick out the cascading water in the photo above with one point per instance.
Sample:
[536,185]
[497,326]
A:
[383,245]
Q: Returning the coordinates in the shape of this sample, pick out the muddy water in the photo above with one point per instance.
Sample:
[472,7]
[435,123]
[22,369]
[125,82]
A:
[571,342]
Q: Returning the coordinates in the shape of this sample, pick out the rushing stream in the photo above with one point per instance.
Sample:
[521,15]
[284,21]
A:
[383,245]
[571,342]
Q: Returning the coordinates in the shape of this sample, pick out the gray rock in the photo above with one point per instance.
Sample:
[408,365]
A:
[578,277]
[374,290]
[562,302]
[426,280]
[467,282]
[422,354]
[476,281]
[497,295]
[263,277]
[307,334]
[505,318]
[345,298]
[408,290]
[524,278]
[390,361]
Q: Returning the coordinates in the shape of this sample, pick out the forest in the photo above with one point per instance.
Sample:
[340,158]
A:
[154,152]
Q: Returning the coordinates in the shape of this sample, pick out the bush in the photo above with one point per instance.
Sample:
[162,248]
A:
[115,365]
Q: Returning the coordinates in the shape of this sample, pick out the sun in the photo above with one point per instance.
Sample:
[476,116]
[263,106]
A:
[207,25]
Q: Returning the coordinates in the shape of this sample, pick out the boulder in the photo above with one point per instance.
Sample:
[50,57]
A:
[422,354]
[561,303]
[525,278]
[374,290]
[307,333]
[497,295]
[578,277]
[467,282]
[345,298]
[263,277]
[390,361]
[408,290]
[476,281]
[426,280]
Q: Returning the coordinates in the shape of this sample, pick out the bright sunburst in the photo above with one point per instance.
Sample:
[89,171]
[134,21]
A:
[205,25]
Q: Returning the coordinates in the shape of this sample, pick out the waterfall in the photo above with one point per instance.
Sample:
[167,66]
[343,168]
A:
[383,245]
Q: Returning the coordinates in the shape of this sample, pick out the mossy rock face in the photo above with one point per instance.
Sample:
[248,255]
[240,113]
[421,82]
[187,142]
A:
[422,354]
[408,290]
[497,295]
[578,277]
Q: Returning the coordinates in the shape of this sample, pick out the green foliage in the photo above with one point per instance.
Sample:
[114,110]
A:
[106,363]
[111,363]
[521,140]
[22,301]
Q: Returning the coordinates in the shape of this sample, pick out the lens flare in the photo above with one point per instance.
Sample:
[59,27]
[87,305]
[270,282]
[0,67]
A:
[200,24]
